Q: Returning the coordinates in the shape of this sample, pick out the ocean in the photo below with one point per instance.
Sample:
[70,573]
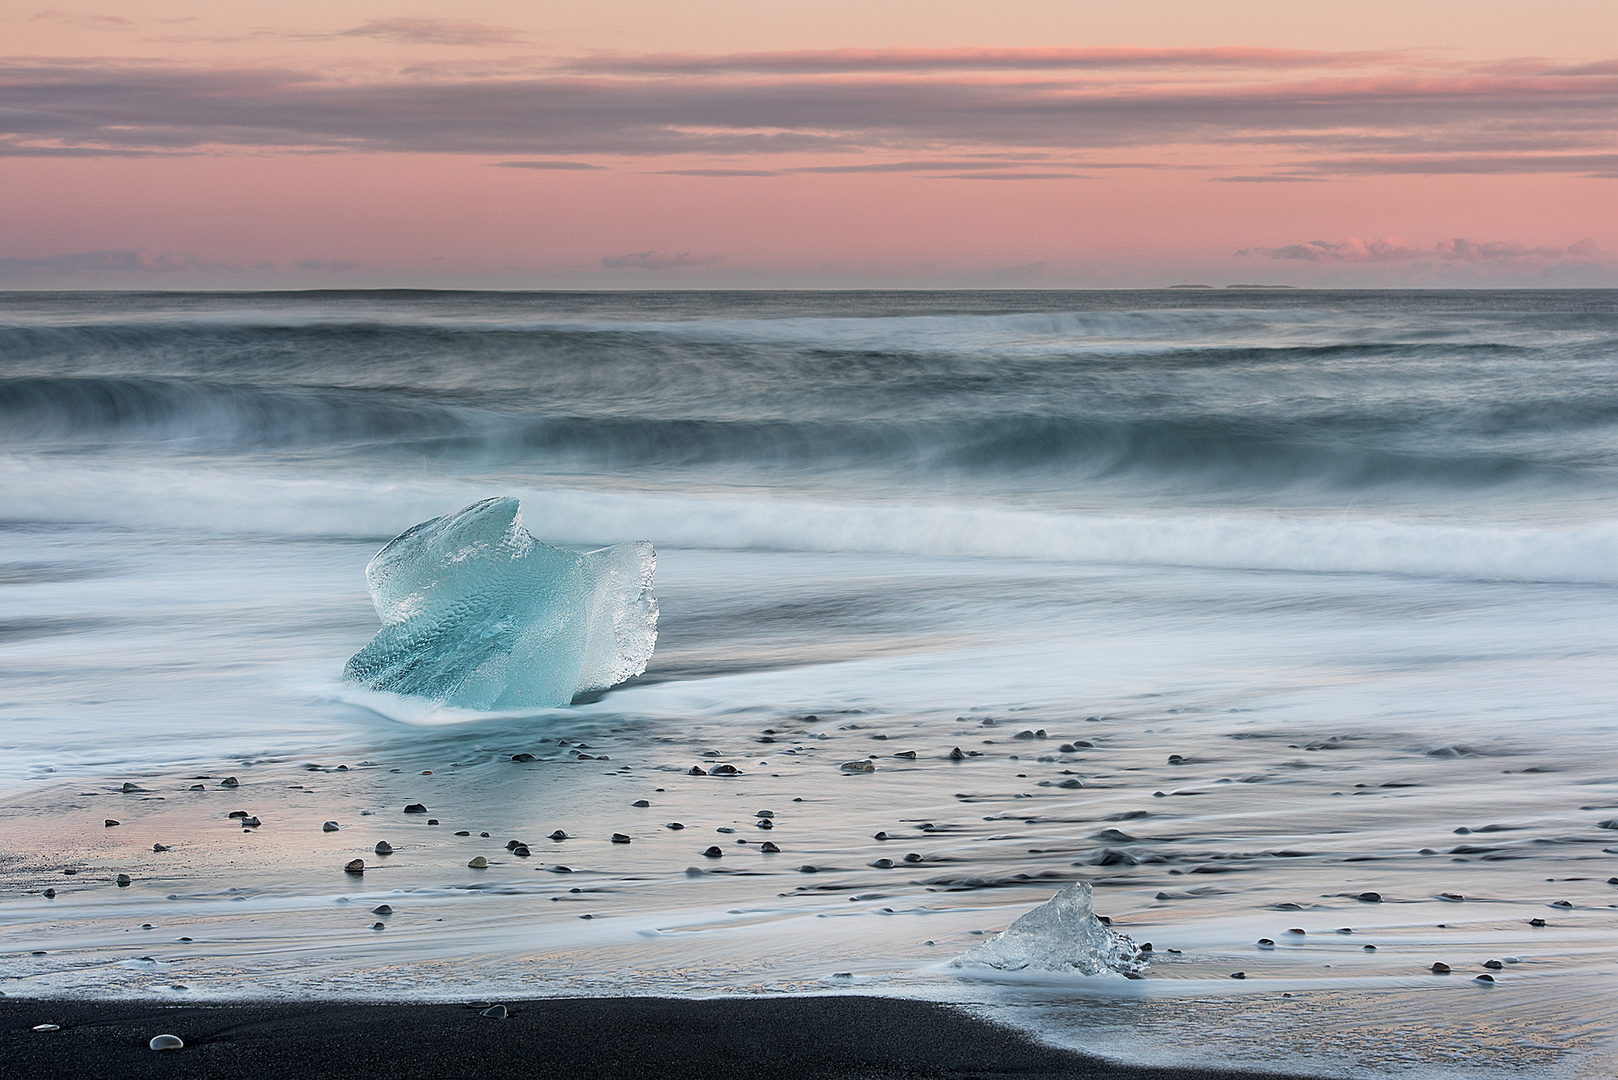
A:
[1244,606]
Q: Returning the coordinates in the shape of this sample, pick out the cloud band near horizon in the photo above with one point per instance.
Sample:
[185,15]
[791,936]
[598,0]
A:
[1263,113]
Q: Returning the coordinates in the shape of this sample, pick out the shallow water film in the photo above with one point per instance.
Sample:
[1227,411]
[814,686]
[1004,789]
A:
[1286,621]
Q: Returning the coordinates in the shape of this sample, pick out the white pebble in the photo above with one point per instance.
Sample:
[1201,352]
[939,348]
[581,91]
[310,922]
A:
[166,1042]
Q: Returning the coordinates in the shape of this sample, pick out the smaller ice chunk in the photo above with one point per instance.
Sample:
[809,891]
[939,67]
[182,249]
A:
[478,613]
[1062,934]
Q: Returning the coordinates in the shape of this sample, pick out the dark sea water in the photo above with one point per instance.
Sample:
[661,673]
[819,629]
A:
[1351,557]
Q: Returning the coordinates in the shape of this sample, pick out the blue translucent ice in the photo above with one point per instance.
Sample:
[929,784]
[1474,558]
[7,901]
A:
[478,613]
[1062,934]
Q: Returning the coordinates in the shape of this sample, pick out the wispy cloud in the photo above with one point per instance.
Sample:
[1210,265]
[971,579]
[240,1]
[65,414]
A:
[658,260]
[434,32]
[564,166]
[126,260]
[1257,115]
[1395,250]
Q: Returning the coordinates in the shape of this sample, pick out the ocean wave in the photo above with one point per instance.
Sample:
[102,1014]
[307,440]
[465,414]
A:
[1336,445]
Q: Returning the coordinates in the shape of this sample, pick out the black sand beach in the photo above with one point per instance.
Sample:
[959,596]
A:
[824,1038]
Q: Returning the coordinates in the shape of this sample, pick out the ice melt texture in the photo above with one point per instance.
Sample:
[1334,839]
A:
[478,613]
[1062,934]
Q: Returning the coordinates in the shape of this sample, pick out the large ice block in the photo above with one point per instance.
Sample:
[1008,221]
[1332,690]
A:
[478,613]
[1062,934]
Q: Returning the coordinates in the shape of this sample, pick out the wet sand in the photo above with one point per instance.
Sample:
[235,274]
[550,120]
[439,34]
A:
[826,1038]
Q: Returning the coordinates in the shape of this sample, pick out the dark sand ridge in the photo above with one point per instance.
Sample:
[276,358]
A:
[596,1038]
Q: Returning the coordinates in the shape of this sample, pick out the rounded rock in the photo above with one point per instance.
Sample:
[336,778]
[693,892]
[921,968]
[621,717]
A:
[122,880]
[384,848]
[357,866]
[1439,968]
[769,848]
[619,838]
[382,909]
[715,852]
[478,863]
[330,826]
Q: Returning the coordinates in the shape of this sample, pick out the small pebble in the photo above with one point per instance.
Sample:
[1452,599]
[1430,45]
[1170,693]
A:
[384,848]
[230,781]
[50,894]
[806,868]
[957,755]
[382,909]
[726,770]
[883,864]
[1493,965]
[110,823]
[478,862]
[251,823]
[522,757]
[882,836]
[166,1042]
[47,1027]
[494,1012]
[432,821]
[912,857]
[415,808]
[1440,968]
[640,802]
[619,838]
[123,880]
[379,926]
[715,852]
[1369,898]
[675,825]
[557,835]
[160,847]
[1369,948]
[521,851]
[132,787]
[356,867]
[1536,922]
[1265,943]
[1485,977]
[463,832]
[330,826]
[769,848]
[1239,975]
[696,770]
[1295,930]
[858,766]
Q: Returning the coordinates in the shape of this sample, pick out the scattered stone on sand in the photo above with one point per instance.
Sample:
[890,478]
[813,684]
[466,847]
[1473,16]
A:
[808,868]
[620,838]
[764,823]
[1440,968]
[357,866]
[237,814]
[463,832]
[160,847]
[858,766]
[494,1012]
[523,757]
[769,848]
[1452,897]
[557,835]
[675,825]
[251,823]
[1483,977]
[1562,904]
[883,864]
[384,848]
[696,770]
[49,894]
[1238,974]
[726,770]
[715,852]
[1369,948]
[382,909]
[166,1042]
[913,857]
[909,754]
[110,823]
[230,781]
[1536,922]
[122,880]
[415,808]
[1265,943]
[957,754]
[478,862]
[725,829]
[197,787]
[379,926]
[1493,965]
[132,787]
[1296,930]
[1369,898]
[521,851]
[330,826]
[640,802]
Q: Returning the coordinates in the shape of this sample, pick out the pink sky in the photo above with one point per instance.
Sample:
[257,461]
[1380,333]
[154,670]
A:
[171,144]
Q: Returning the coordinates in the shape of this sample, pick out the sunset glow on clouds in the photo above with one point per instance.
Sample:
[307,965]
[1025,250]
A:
[144,144]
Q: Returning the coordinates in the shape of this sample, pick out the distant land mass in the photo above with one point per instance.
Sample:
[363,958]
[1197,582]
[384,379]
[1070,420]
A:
[1261,286]
[1190,286]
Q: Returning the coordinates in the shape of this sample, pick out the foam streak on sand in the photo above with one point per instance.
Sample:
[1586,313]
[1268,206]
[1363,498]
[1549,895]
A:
[1257,614]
